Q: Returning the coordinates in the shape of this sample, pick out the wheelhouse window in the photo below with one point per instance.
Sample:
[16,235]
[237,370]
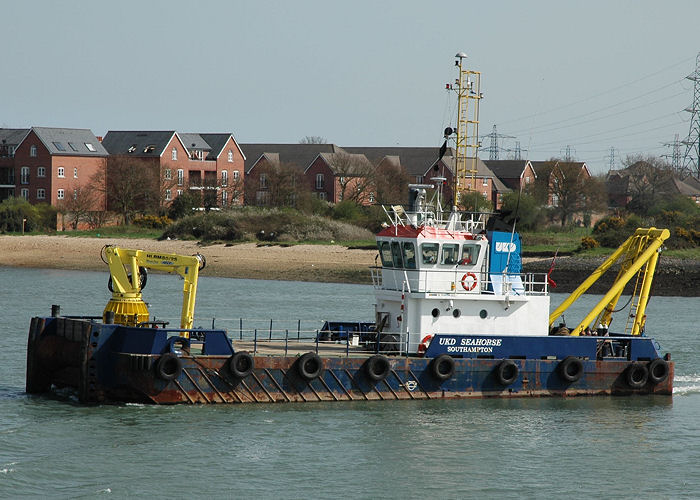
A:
[409,255]
[396,254]
[470,254]
[429,252]
[385,253]
[450,253]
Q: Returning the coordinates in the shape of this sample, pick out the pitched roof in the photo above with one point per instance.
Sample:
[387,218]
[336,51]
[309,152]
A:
[70,141]
[482,171]
[12,136]
[141,143]
[415,161]
[352,163]
[217,143]
[299,155]
[193,141]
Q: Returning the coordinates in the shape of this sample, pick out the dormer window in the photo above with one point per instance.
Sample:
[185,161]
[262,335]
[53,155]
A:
[90,147]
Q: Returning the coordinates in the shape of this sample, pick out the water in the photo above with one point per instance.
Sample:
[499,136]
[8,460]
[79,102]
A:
[527,448]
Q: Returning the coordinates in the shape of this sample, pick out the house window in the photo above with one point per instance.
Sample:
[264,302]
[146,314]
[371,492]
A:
[75,194]
[90,147]
[173,155]
[230,156]
[168,195]
[75,173]
[59,146]
[168,174]
[60,194]
[41,194]
[32,151]
[224,199]
[371,197]
[263,181]
[528,179]
[320,181]
[179,192]
[224,177]
[180,177]
[24,175]
[322,195]
[24,193]
[485,182]
[61,172]
[41,171]
[236,174]
[419,179]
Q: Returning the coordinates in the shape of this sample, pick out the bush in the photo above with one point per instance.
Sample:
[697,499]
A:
[612,231]
[153,221]
[17,215]
[588,242]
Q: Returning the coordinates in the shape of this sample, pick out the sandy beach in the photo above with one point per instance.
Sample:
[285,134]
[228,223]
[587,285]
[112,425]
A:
[329,263]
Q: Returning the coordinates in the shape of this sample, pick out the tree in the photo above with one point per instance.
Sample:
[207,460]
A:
[313,139]
[355,175]
[521,208]
[568,190]
[649,182]
[79,203]
[132,186]
[390,183]
[274,185]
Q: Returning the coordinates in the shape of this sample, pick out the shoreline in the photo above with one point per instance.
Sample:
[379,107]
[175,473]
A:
[320,263]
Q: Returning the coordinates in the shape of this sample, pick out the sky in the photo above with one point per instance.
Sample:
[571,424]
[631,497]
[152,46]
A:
[556,75]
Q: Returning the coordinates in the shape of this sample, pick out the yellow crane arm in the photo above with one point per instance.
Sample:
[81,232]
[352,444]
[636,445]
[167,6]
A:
[640,249]
[127,269]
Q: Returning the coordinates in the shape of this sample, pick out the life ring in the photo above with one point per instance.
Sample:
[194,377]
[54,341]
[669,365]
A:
[169,366]
[469,287]
[658,370]
[637,375]
[377,368]
[424,344]
[443,367]
[507,372]
[571,369]
[310,366]
[241,364]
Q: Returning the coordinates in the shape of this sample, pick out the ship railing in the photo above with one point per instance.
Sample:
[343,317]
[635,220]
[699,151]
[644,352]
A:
[291,337]
[459,281]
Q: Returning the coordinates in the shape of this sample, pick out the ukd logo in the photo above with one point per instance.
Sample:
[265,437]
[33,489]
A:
[504,246]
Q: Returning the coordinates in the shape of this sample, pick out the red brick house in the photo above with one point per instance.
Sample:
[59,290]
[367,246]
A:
[53,165]
[547,171]
[515,174]
[341,176]
[209,164]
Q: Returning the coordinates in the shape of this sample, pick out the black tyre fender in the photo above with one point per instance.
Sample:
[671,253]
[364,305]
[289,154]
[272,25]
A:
[377,368]
[637,375]
[570,369]
[658,370]
[442,367]
[241,364]
[168,366]
[507,372]
[310,366]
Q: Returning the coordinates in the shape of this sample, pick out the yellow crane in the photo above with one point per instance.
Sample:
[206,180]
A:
[639,253]
[128,275]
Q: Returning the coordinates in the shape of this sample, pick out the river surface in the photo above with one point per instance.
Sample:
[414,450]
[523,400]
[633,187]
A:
[604,447]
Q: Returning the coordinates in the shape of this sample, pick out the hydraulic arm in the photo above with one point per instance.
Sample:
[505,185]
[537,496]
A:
[641,253]
[128,277]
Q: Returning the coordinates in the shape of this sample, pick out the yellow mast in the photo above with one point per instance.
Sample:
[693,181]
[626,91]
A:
[468,88]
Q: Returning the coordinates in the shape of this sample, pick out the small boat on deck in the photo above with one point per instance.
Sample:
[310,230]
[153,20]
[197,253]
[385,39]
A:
[455,317]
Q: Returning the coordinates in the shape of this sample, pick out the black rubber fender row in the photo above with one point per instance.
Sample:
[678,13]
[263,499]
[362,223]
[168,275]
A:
[638,374]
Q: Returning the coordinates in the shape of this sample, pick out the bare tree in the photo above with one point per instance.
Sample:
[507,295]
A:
[313,139]
[274,184]
[132,186]
[80,201]
[390,182]
[355,176]
[649,181]
[567,188]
